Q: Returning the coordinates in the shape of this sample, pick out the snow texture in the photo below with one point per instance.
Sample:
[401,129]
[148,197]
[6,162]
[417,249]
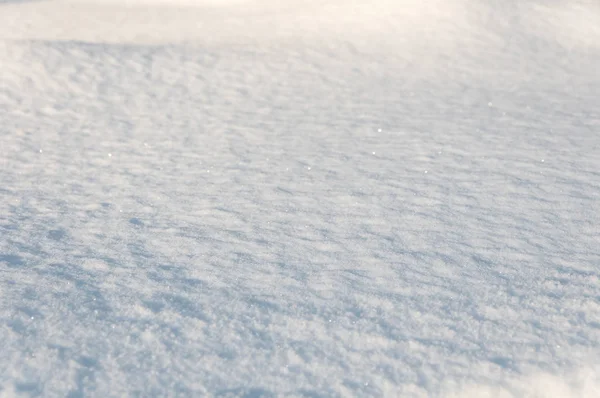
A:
[300,199]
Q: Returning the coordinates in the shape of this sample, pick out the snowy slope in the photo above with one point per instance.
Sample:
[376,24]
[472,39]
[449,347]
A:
[318,198]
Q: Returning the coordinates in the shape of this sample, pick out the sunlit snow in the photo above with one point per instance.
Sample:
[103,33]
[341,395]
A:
[301,198]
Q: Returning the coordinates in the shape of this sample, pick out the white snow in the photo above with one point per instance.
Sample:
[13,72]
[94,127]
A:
[299,198]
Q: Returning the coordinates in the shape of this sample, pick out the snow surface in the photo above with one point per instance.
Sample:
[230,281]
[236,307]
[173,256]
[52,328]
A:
[300,199]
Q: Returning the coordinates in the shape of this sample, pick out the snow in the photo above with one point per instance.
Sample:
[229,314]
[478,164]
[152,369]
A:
[319,198]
